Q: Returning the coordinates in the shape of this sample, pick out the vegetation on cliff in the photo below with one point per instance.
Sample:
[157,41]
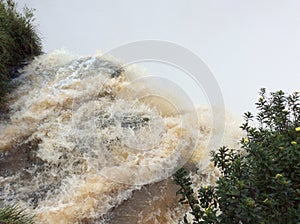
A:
[260,183]
[19,41]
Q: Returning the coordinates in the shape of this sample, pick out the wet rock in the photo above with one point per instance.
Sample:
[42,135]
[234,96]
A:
[109,67]
[15,71]
[134,121]
[127,120]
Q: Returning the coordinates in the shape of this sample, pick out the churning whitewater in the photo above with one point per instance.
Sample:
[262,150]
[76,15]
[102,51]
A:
[82,144]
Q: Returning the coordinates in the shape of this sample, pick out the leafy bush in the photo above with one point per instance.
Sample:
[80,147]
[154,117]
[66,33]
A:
[19,41]
[261,182]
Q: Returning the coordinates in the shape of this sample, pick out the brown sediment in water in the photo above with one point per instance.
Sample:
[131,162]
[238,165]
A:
[158,202]
[19,158]
[153,203]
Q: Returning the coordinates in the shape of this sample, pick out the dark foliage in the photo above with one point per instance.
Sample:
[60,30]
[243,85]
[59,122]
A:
[19,41]
[262,184]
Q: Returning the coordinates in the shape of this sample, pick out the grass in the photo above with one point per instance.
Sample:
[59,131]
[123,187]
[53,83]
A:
[15,215]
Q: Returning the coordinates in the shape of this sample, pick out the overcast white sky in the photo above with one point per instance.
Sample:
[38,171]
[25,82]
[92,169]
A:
[247,44]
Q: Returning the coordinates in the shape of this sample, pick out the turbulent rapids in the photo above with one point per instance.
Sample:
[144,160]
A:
[81,146]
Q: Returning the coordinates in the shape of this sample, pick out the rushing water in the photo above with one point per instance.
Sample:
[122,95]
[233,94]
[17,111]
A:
[80,146]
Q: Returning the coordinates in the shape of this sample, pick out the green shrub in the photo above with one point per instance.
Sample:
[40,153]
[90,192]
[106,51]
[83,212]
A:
[261,182]
[19,41]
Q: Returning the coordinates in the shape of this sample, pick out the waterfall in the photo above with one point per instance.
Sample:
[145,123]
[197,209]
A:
[80,146]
